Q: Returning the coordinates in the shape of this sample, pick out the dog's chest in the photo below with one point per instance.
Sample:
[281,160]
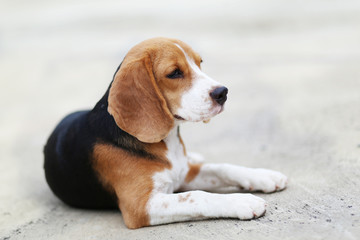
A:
[170,180]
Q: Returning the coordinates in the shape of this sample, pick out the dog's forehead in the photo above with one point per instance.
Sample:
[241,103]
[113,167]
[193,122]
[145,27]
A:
[162,48]
[186,50]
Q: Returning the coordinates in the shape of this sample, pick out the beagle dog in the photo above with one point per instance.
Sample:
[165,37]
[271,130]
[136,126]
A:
[127,151]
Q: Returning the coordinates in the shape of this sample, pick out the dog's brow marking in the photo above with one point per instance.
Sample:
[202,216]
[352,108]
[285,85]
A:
[181,49]
[192,64]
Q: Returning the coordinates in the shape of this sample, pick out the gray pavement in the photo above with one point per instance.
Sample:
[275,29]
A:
[293,71]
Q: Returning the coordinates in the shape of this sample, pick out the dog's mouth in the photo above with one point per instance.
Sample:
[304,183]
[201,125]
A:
[205,118]
[183,119]
[179,117]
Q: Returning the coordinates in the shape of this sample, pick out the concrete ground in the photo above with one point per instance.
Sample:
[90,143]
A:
[293,70]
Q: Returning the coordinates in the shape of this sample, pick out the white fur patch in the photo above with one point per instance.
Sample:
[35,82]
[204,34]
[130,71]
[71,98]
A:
[169,181]
[195,157]
[195,205]
[213,176]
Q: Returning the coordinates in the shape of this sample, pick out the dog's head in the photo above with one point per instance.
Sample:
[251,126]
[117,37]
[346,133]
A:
[158,83]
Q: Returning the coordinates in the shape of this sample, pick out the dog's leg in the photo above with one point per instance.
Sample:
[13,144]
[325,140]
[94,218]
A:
[211,177]
[196,205]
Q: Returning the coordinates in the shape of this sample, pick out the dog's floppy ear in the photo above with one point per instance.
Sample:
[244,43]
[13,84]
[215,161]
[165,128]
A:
[136,102]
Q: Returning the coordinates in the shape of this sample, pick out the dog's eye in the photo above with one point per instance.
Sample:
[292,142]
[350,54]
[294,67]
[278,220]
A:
[177,73]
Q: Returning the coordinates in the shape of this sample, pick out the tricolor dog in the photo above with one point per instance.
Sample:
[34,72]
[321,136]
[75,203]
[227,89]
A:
[127,151]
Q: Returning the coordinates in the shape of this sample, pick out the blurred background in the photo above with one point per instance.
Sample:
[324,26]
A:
[293,73]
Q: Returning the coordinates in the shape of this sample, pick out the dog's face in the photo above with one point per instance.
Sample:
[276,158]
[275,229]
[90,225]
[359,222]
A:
[160,80]
[185,87]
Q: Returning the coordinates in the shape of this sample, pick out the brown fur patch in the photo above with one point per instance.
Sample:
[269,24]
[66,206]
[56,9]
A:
[130,177]
[185,198]
[194,170]
[182,142]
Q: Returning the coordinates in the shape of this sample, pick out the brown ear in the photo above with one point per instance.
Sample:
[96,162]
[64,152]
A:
[137,104]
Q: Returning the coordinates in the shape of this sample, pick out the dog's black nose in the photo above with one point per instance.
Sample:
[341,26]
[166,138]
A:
[219,95]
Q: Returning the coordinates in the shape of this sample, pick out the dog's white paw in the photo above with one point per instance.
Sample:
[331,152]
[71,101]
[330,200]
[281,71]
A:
[266,180]
[249,206]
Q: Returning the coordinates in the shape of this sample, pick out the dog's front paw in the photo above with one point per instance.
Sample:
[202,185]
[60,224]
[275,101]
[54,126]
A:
[266,180]
[249,206]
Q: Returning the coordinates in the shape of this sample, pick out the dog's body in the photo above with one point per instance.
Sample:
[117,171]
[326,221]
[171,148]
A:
[127,152]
